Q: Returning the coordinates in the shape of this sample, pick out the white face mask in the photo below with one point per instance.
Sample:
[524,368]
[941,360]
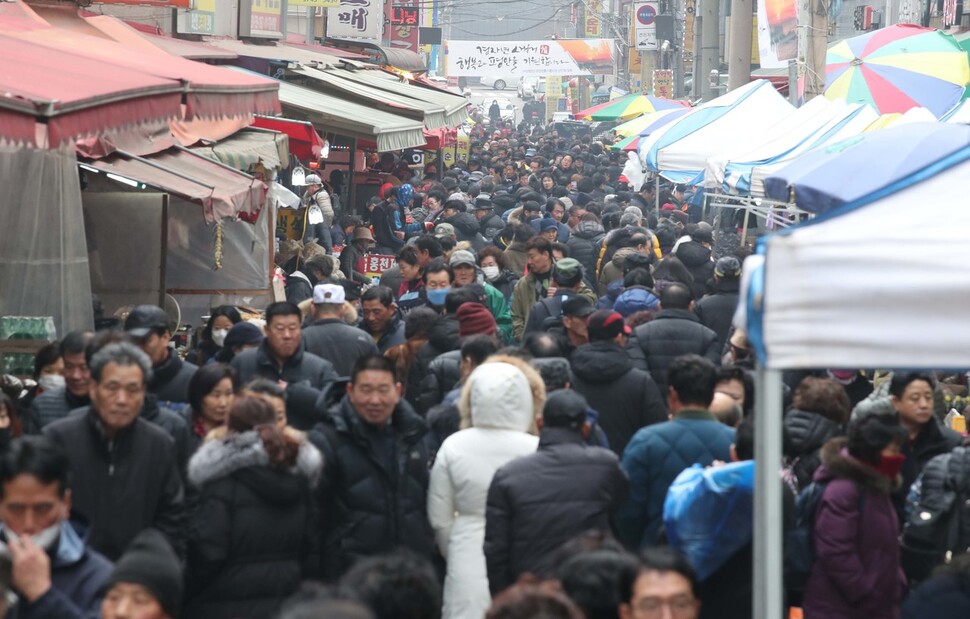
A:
[219,336]
[49,382]
[491,272]
[45,539]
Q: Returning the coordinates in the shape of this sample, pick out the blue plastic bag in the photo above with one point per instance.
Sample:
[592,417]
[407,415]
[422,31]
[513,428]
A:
[709,514]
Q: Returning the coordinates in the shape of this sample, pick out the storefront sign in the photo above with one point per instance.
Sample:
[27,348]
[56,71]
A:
[663,83]
[777,33]
[516,58]
[645,26]
[356,19]
[403,23]
[594,25]
[199,20]
[261,18]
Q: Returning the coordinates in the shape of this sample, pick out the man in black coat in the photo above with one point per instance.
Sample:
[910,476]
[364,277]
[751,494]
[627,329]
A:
[673,332]
[149,327]
[539,502]
[373,494]
[332,339]
[465,224]
[716,310]
[696,256]
[489,224]
[626,398]
[124,475]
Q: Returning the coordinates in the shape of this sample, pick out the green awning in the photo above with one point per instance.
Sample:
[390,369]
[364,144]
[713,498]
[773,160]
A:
[247,147]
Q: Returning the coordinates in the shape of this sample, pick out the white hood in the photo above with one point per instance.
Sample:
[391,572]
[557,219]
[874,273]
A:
[500,398]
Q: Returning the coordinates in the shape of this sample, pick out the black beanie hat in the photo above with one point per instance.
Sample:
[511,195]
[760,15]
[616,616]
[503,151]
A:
[149,561]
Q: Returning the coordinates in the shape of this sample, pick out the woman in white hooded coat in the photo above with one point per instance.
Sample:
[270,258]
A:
[500,400]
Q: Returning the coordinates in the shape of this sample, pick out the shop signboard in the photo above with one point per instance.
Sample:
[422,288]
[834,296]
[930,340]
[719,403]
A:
[594,23]
[374,265]
[777,28]
[403,21]
[261,18]
[518,58]
[201,19]
[663,83]
[356,19]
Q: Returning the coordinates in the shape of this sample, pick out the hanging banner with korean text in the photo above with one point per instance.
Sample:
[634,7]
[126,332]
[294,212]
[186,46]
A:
[594,23]
[515,58]
[663,83]
[356,19]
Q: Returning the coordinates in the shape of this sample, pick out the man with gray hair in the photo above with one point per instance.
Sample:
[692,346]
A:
[123,468]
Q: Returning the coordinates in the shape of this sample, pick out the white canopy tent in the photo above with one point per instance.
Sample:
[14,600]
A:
[865,285]
[679,151]
[811,125]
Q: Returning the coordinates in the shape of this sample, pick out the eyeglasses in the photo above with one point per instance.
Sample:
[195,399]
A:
[681,607]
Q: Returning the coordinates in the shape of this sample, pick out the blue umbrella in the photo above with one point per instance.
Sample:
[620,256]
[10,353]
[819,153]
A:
[826,178]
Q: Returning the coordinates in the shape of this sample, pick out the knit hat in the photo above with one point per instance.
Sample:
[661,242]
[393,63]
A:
[565,408]
[243,333]
[149,561]
[605,325]
[548,224]
[475,319]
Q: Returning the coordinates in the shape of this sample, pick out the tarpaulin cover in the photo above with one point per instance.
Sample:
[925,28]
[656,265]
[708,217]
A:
[123,32]
[43,256]
[209,91]
[246,148]
[288,53]
[93,96]
[456,106]
[392,132]
[810,124]
[221,192]
[338,82]
[681,148]
[829,177]
[305,142]
[878,282]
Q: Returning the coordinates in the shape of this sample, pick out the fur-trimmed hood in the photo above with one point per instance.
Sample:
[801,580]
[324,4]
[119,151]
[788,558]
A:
[221,456]
[837,463]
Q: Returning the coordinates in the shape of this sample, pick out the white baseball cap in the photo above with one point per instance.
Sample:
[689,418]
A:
[329,293]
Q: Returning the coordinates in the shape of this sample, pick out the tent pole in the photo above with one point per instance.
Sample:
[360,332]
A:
[768,566]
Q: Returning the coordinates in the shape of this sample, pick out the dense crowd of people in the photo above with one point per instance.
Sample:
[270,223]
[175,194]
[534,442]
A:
[522,418]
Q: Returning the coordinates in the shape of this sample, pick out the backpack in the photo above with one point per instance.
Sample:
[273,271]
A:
[937,527]
[800,541]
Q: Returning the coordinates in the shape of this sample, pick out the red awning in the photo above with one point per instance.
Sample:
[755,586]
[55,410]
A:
[89,98]
[222,191]
[439,138]
[210,92]
[19,16]
[305,142]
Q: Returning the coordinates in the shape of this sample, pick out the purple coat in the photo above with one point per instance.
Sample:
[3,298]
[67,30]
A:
[856,574]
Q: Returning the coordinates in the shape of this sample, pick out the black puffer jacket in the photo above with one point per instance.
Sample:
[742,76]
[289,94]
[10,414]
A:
[466,229]
[367,507]
[443,337]
[670,334]
[251,532]
[805,433]
[539,502]
[490,225]
[302,368]
[170,381]
[934,439]
[584,245]
[444,372]
[716,310]
[697,259]
[335,341]
[625,397]
[505,283]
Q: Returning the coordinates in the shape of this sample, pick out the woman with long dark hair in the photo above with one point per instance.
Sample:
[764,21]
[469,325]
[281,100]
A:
[211,393]
[214,334]
[249,536]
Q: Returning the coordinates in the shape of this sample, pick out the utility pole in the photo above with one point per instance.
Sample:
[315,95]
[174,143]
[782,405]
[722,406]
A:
[709,50]
[813,27]
[678,46]
[739,64]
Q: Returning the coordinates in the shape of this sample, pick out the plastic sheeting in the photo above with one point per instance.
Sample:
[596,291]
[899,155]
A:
[870,284]
[43,254]
[192,244]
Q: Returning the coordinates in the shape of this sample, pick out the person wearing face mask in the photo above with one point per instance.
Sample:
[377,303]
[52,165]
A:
[857,572]
[53,573]
[48,374]
[54,403]
[213,336]
[496,271]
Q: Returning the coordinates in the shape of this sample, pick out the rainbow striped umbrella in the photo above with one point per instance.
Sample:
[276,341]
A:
[628,107]
[898,68]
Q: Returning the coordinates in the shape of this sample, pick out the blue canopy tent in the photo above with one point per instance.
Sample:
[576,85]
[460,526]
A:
[875,282]
[830,177]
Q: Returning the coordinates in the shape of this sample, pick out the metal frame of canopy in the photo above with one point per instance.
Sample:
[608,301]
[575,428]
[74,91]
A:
[782,214]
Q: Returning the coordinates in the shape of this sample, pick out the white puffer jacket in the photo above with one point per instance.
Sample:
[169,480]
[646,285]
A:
[502,412]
